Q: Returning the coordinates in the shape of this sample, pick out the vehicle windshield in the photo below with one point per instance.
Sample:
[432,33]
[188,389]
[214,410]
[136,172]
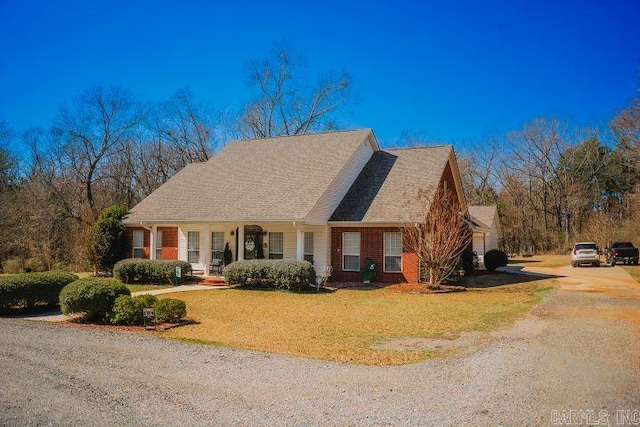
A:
[580,246]
[623,245]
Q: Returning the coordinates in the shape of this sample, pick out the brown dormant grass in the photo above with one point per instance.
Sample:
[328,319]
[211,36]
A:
[342,326]
[633,270]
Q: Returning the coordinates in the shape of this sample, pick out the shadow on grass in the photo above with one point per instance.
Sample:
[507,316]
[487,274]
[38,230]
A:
[522,261]
[486,279]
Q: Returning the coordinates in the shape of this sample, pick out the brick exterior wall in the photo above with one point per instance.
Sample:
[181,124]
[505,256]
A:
[169,242]
[371,247]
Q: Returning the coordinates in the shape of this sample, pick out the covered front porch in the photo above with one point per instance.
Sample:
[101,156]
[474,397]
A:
[224,242]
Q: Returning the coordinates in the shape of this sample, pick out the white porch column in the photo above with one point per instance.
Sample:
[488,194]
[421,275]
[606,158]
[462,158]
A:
[299,243]
[240,248]
[327,251]
[207,249]
[152,242]
[484,243]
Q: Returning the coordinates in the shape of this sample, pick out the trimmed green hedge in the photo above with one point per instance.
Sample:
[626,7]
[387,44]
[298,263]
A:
[169,310]
[494,259]
[28,289]
[94,297]
[271,273]
[151,271]
[128,310]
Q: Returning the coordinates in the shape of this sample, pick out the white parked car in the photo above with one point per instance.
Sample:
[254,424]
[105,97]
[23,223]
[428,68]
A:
[585,253]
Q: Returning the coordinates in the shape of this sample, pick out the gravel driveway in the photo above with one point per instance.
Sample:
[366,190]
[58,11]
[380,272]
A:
[575,358]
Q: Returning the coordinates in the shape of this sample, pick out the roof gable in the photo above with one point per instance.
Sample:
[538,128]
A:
[387,187]
[271,179]
[487,216]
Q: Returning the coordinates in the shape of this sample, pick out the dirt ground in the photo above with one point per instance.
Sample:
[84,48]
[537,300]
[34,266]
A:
[574,360]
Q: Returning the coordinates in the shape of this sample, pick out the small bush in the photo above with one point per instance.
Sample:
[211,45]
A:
[12,266]
[93,297]
[128,310]
[494,259]
[28,289]
[279,274]
[147,300]
[169,310]
[469,262]
[34,264]
[151,271]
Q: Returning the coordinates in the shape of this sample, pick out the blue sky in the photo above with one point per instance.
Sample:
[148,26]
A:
[450,71]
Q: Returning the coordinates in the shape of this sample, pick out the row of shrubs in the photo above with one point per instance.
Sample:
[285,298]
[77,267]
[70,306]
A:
[98,299]
[493,259]
[110,300]
[151,271]
[27,290]
[270,273]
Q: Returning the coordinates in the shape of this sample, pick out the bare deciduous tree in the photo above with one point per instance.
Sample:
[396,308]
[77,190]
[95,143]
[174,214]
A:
[285,104]
[479,172]
[626,126]
[601,229]
[534,157]
[186,128]
[439,236]
[89,133]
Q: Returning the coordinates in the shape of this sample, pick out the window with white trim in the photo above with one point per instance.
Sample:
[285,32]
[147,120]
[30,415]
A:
[138,243]
[193,246]
[308,247]
[217,245]
[351,251]
[392,252]
[276,244]
[158,244]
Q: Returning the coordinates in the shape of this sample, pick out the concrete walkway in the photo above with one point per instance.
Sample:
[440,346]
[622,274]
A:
[181,288]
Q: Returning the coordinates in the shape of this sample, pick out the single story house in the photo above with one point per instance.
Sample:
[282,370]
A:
[487,232]
[335,199]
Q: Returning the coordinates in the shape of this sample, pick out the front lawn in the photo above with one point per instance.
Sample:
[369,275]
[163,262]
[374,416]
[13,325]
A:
[344,325]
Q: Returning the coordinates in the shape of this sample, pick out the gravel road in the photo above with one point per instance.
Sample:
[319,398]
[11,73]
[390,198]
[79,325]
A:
[575,358]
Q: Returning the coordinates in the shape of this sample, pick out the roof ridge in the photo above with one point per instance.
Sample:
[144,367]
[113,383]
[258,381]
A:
[418,147]
[302,134]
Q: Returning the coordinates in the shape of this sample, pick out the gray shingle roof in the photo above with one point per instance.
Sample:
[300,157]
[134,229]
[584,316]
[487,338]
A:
[263,179]
[484,214]
[386,189]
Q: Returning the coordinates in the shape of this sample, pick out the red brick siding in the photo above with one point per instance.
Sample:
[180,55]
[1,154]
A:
[371,247]
[169,242]
[410,268]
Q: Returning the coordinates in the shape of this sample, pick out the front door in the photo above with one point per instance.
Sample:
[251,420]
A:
[253,242]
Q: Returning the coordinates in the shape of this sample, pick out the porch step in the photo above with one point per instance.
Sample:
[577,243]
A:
[210,281]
